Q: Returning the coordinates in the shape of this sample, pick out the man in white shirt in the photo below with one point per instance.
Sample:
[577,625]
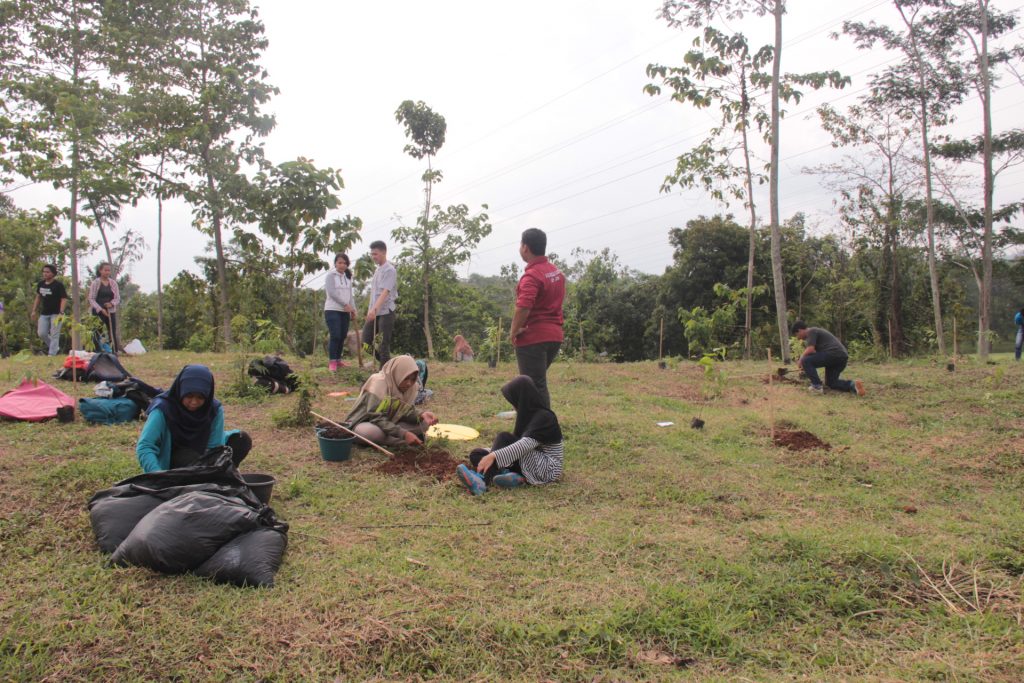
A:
[380,317]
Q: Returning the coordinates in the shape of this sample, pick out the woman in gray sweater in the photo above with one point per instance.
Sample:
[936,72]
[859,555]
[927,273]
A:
[339,309]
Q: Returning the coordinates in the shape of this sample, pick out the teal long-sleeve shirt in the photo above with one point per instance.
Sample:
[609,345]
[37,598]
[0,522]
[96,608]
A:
[154,447]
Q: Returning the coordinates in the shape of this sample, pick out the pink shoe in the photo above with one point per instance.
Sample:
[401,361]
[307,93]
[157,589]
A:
[343,364]
[332,365]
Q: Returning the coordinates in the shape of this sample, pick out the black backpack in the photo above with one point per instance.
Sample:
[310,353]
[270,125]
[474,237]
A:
[274,374]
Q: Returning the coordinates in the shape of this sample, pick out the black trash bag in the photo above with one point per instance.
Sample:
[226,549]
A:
[251,559]
[114,518]
[105,367]
[182,533]
[229,506]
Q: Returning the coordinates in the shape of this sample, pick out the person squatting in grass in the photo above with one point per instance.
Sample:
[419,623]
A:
[532,454]
[184,422]
[104,298]
[339,309]
[823,350]
[385,411]
[51,299]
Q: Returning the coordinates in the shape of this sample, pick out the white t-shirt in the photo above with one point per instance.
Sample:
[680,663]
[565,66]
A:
[385,277]
[339,292]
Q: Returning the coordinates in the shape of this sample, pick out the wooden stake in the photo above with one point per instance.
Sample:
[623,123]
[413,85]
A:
[349,431]
[771,397]
[359,348]
[581,339]
[955,353]
[661,340]
[497,343]
[890,338]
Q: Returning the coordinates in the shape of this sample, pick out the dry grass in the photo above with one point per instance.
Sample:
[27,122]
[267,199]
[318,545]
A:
[665,553]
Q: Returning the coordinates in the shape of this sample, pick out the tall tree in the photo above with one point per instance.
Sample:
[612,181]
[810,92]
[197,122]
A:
[195,63]
[426,130]
[704,13]
[729,74]
[876,185]
[290,203]
[60,104]
[979,23]
[927,84]
[459,233]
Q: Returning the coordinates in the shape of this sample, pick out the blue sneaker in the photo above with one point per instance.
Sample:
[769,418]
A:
[473,481]
[508,480]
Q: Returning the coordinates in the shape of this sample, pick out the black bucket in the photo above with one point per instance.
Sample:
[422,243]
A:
[260,484]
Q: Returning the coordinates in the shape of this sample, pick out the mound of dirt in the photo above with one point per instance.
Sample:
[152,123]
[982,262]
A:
[331,432]
[799,440]
[429,462]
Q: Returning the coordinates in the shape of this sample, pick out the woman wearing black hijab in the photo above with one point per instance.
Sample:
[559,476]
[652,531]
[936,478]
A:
[532,454]
[184,422]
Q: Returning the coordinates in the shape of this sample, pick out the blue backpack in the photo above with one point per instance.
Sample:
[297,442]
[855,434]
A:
[108,411]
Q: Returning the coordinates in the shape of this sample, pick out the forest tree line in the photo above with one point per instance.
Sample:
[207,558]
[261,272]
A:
[113,101]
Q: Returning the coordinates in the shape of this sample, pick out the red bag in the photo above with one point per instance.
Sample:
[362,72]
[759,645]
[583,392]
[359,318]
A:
[78,363]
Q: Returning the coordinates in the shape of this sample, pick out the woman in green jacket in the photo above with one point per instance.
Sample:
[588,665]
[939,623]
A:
[385,412]
[184,422]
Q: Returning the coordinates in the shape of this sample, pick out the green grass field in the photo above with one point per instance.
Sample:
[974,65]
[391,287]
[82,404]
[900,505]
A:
[664,554]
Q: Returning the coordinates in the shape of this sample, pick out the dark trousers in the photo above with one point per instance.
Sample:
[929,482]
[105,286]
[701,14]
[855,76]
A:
[534,361]
[337,330]
[111,324]
[240,444]
[1018,343]
[385,323]
[834,365]
[500,441]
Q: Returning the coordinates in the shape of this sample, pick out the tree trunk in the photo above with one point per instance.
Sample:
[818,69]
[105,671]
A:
[426,260]
[76,304]
[103,233]
[985,303]
[773,189]
[76,294]
[748,323]
[159,252]
[929,203]
[222,274]
[426,314]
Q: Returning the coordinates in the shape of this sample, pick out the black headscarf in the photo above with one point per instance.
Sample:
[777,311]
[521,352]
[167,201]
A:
[188,428]
[532,418]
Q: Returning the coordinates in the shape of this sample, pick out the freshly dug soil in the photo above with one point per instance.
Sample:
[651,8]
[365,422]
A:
[429,462]
[799,441]
[782,379]
[330,432]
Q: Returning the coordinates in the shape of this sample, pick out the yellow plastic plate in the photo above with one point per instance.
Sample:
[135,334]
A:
[453,432]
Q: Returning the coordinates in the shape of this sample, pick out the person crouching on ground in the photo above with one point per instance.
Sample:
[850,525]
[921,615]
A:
[186,421]
[532,454]
[823,350]
[385,412]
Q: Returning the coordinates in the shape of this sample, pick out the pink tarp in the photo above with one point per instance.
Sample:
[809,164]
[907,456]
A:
[33,402]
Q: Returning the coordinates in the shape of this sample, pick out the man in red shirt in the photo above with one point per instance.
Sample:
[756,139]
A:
[536,328]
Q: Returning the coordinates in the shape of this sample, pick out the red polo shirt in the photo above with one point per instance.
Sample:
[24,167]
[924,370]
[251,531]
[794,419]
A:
[542,290]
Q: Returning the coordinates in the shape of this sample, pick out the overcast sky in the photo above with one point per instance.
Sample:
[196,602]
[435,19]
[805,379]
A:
[548,123]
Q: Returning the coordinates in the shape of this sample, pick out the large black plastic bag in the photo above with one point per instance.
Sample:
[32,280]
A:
[114,518]
[251,559]
[182,533]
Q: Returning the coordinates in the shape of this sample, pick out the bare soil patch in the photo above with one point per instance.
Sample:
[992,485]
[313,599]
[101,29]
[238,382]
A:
[431,461]
[799,440]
